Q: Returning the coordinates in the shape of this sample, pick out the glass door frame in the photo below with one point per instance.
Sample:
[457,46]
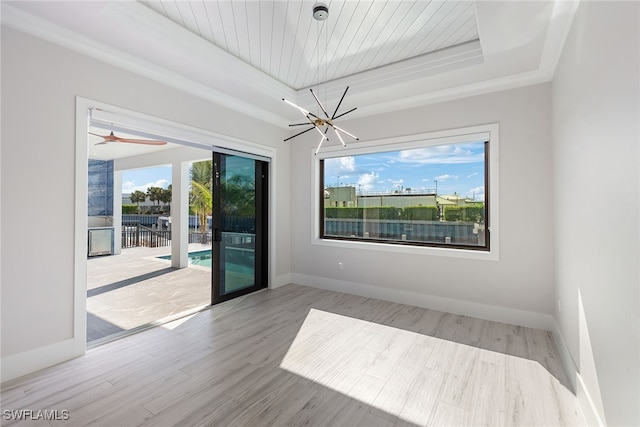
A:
[261,182]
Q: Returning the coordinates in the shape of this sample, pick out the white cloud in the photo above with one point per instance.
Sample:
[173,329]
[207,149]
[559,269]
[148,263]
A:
[340,165]
[348,163]
[129,187]
[477,193]
[442,154]
[367,181]
[446,177]
[473,174]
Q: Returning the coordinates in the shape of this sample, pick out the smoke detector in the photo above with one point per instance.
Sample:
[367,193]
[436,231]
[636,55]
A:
[320,12]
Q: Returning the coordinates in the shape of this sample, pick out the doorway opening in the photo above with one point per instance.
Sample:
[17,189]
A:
[163,260]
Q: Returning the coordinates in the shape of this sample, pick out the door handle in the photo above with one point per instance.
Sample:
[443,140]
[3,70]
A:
[217,235]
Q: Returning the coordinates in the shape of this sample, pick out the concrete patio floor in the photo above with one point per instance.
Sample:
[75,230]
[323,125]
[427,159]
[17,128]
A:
[136,288]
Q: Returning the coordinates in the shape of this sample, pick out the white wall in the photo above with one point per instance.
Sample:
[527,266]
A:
[40,82]
[596,116]
[594,98]
[519,287]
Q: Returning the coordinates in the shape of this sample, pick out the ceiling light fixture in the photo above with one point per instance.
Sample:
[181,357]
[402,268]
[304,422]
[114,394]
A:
[321,124]
[320,12]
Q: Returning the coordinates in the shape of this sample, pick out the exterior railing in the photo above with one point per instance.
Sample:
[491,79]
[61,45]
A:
[155,230]
[153,220]
[134,235]
[420,231]
[197,237]
[139,235]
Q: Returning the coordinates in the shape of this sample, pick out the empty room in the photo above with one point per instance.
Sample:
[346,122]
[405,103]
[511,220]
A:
[363,213]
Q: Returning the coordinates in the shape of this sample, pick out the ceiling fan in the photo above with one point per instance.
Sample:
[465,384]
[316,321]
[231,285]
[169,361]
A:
[112,138]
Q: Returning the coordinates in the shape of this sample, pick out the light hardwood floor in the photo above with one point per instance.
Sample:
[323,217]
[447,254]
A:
[299,356]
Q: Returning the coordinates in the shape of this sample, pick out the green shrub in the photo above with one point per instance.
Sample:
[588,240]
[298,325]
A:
[385,212]
[474,212]
[420,213]
[129,209]
[470,213]
[453,213]
[343,213]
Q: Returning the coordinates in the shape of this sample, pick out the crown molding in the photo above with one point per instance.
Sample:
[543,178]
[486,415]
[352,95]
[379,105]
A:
[409,73]
[211,73]
[562,18]
[453,93]
[202,54]
[53,33]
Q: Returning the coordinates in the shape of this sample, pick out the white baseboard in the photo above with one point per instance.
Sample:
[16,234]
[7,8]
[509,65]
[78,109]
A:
[568,363]
[588,408]
[586,404]
[20,364]
[466,308]
[283,279]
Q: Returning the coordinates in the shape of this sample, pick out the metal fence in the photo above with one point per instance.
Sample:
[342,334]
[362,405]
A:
[197,237]
[139,235]
[420,231]
[153,220]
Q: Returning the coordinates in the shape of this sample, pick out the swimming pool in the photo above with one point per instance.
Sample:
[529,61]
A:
[236,261]
[202,258]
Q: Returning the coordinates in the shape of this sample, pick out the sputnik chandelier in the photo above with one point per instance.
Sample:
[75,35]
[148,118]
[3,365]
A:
[321,124]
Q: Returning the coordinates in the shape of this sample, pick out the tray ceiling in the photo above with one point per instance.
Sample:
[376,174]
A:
[283,40]
[248,55]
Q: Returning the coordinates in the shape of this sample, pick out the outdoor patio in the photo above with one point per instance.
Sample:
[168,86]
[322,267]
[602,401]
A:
[136,288]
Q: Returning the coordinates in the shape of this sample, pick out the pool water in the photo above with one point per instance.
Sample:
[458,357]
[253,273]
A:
[202,258]
[237,264]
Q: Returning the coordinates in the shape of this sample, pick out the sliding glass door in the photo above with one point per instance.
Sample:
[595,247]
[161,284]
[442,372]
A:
[239,226]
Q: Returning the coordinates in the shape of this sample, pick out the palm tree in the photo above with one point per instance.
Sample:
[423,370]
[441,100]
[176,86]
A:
[202,172]
[155,194]
[138,197]
[202,203]
[239,194]
[201,191]
[166,198]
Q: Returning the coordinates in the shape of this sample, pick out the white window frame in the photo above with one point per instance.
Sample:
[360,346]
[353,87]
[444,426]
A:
[486,132]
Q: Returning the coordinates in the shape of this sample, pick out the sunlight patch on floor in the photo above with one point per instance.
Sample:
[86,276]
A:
[420,378]
[174,324]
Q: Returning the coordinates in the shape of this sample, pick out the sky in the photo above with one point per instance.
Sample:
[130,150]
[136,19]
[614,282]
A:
[457,168]
[142,179]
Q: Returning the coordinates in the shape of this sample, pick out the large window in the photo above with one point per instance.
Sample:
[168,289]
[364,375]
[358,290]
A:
[431,192]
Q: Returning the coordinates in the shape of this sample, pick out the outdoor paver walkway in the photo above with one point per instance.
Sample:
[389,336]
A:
[136,288]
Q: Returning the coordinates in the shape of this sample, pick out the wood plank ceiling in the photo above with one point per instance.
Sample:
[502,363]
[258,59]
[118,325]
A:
[282,39]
